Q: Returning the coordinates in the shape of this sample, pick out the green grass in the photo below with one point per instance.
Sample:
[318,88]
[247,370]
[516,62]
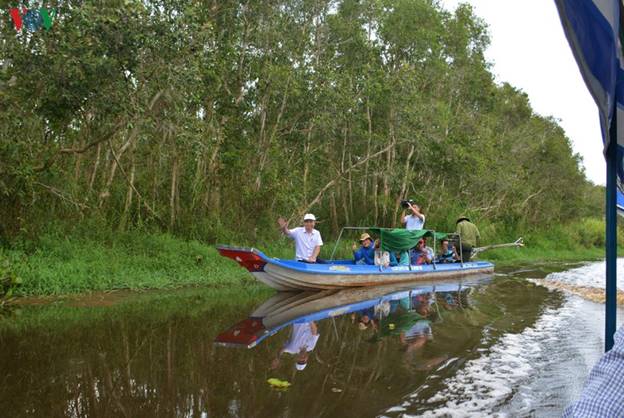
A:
[61,265]
[581,241]
[85,261]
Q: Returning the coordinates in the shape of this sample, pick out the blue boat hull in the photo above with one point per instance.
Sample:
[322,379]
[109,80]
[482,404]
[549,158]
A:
[294,275]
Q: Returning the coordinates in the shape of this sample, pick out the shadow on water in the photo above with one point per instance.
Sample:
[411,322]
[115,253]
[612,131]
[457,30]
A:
[361,351]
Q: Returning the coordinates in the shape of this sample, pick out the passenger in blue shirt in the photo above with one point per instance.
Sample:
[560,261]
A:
[447,253]
[402,261]
[366,253]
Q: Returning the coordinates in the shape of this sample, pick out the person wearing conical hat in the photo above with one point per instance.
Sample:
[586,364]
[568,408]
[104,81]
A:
[470,236]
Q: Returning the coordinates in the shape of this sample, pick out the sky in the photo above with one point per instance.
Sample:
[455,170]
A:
[528,49]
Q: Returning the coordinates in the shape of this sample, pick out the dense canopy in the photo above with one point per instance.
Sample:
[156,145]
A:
[208,118]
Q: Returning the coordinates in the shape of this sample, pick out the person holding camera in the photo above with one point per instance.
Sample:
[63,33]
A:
[415,220]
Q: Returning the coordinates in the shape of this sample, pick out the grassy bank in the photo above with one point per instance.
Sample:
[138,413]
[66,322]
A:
[83,262]
[61,265]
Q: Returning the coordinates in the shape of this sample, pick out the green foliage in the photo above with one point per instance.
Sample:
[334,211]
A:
[73,264]
[210,121]
[9,280]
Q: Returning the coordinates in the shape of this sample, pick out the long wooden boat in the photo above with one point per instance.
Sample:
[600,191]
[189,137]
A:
[287,308]
[289,275]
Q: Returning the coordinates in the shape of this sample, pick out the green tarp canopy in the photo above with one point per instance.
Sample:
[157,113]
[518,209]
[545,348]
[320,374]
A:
[399,239]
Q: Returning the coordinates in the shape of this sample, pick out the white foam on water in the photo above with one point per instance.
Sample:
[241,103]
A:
[536,372]
[590,275]
[488,382]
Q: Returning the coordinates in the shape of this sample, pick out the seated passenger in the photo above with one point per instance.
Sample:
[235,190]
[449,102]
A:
[447,253]
[382,258]
[421,254]
[403,258]
[366,253]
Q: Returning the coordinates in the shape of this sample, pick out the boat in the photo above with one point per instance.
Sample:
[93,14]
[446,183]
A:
[292,275]
[287,308]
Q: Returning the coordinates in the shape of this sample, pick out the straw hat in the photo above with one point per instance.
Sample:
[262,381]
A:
[365,236]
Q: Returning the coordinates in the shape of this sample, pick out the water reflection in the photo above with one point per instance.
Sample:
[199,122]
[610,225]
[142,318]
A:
[347,353]
[400,312]
[302,340]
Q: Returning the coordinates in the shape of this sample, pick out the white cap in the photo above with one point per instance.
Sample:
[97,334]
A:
[309,217]
[300,366]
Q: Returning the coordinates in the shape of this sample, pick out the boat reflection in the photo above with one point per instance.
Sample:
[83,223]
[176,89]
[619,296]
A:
[403,312]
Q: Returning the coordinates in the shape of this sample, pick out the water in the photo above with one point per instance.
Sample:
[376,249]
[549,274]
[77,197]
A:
[516,344]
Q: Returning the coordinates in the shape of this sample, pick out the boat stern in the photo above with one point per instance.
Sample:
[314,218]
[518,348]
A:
[246,333]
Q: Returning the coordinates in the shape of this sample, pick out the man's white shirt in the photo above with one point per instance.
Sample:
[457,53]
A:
[301,337]
[305,242]
[413,222]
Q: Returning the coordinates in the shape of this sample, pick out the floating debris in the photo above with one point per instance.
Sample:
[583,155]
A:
[278,384]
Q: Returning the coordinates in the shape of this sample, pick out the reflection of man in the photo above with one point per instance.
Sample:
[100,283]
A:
[417,335]
[302,341]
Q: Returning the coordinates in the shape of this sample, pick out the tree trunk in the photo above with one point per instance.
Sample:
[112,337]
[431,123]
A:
[173,193]
[334,213]
[404,184]
[129,194]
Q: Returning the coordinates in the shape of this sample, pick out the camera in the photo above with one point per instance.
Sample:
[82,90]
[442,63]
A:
[405,203]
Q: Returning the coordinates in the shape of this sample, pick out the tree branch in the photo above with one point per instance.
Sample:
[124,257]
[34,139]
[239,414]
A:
[50,161]
[130,183]
[319,195]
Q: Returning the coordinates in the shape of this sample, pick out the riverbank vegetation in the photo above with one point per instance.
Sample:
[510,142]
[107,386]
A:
[82,261]
[166,123]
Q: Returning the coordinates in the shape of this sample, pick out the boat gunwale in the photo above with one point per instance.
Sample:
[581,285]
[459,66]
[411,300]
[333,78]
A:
[359,269]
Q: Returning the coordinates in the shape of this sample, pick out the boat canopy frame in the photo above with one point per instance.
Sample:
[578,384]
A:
[434,234]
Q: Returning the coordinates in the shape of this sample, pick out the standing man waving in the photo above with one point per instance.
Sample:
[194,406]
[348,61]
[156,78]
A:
[308,240]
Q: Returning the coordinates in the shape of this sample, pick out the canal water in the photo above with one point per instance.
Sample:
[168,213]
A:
[518,343]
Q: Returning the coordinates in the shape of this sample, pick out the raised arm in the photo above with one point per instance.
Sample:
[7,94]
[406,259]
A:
[416,211]
[283,226]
